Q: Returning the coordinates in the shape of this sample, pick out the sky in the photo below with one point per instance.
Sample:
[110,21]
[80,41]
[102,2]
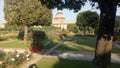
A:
[1,12]
[69,14]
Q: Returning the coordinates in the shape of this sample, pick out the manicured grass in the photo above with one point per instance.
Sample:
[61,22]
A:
[79,44]
[64,63]
[115,49]
[51,44]
[14,44]
[87,44]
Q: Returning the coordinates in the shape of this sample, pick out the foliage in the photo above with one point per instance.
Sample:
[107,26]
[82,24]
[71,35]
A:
[87,19]
[73,27]
[16,27]
[72,4]
[46,28]
[3,38]
[5,29]
[2,54]
[14,59]
[21,35]
[27,12]
[8,34]
[38,37]
[61,4]
[117,22]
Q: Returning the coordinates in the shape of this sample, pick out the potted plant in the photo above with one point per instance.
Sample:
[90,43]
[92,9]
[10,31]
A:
[37,41]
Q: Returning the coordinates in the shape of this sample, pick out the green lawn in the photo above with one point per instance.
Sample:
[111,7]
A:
[80,44]
[14,44]
[63,63]
[83,44]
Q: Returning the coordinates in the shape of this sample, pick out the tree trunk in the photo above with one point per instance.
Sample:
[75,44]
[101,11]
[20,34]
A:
[25,33]
[105,33]
[84,30]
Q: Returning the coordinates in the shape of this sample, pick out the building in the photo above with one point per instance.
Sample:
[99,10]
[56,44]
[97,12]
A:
[60,22]
[3,24]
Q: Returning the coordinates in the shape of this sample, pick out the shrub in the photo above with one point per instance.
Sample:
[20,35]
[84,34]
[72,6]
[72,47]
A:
[21,35]
[14,59]
[3,38]
[2,54]
[38,37]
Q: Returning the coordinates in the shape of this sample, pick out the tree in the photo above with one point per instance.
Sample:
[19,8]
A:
[27,13]
[117,23]
[13,27]
[87,19]
[72,27]
[106,27]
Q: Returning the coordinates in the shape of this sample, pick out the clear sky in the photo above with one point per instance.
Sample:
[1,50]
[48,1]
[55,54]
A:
[69,14]
[1,12]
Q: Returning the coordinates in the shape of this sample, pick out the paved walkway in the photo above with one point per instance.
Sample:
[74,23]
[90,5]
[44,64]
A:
[35,57]
[78,55]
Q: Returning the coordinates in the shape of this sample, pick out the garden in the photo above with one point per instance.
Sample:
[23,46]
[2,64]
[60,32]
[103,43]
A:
[53,36]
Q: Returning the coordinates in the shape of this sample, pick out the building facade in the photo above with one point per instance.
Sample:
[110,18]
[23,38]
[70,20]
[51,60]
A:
[60,22]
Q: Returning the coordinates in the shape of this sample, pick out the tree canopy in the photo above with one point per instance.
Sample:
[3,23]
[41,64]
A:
[87,18]
[27,12]
[117,22]
[73,4]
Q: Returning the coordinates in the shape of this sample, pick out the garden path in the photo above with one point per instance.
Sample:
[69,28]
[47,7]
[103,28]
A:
[37,56]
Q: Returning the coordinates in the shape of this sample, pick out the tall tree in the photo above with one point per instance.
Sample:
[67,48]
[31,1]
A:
[27,13]
[106,27]
[117,23]
[87,19]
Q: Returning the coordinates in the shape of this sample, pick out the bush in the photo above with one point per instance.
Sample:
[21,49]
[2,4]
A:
[38,37]
[2,54]
[21,35]
[14,59]
[3,38]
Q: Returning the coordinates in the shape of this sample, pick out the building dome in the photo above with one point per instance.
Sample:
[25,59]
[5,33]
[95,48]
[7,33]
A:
[59,15]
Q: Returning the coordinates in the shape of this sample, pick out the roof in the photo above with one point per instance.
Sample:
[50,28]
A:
[59,15]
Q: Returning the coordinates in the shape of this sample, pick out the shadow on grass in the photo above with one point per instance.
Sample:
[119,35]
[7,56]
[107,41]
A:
[64,63]
[79,44]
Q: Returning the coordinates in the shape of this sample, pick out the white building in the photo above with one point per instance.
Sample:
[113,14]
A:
[60,22]
[3,24]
